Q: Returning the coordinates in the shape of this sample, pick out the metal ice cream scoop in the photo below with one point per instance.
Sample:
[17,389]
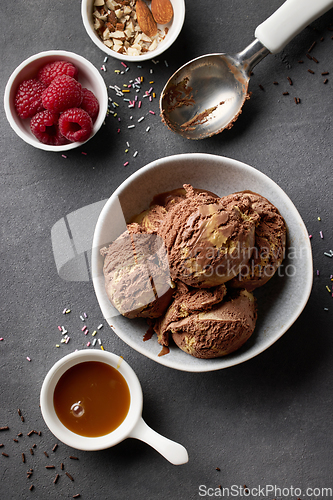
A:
[206,95]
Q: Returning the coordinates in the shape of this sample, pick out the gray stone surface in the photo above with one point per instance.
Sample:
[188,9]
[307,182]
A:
[266,423]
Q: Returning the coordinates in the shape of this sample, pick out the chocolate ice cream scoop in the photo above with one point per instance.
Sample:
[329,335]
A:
[187,301]
[270,243]
[137,278]
[207,241]
[151,219]
[219,331]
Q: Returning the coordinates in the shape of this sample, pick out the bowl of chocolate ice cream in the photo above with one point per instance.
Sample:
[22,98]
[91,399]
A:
[198,261]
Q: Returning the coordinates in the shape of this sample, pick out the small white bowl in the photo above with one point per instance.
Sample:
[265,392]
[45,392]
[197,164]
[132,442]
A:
[133,426]
[280,301]
[89,77]
[175,27]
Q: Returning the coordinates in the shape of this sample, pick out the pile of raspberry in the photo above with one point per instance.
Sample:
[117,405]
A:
[60,109]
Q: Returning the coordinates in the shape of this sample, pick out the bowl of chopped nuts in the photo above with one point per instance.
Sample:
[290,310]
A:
[56,100]
[135,30]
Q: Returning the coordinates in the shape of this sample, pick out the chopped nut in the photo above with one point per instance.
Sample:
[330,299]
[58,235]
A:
[115,21]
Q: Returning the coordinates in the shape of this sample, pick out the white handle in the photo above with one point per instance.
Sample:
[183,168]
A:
[291,18]
[173,452]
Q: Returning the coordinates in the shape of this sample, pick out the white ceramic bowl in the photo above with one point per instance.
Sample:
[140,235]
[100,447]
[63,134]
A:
[89,77]
[175,27]
[280,301]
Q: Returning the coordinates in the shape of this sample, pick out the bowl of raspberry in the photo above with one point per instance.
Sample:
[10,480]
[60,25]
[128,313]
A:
[56,100]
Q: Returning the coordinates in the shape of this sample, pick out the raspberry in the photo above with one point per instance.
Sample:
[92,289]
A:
[44,126]
[28,98]
[57,68]
[63,92]
[75,124]
[90,103]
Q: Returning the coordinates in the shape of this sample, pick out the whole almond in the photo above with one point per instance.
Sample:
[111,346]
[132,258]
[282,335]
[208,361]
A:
[145,18]
[162,11]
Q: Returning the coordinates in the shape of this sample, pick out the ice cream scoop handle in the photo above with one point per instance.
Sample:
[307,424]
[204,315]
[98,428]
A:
[291,18]
[173,452]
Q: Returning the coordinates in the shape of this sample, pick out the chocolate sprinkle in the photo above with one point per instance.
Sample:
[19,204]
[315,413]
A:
[68,475]
[5,454]
[56,479]
[289,80]
[73,458]
[4,428]
[55,447]
[314,43]
[23,457]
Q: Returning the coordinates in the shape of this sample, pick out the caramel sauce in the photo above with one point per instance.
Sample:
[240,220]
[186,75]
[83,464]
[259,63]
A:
[165,350]
[149,333]
[91,398]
